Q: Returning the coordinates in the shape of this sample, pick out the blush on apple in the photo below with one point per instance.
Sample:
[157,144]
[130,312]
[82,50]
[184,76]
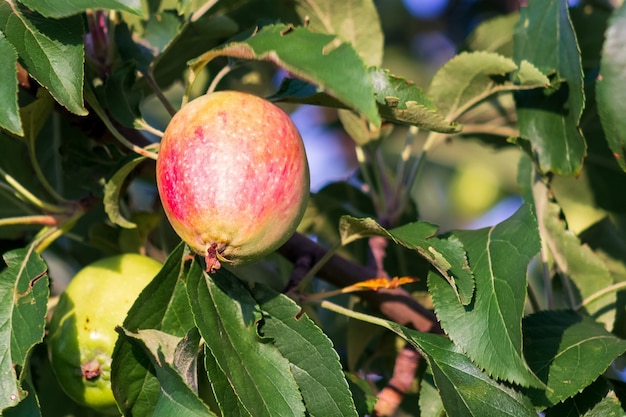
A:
[233,177]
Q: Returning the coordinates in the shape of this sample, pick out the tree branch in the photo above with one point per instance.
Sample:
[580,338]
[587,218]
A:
[397,304]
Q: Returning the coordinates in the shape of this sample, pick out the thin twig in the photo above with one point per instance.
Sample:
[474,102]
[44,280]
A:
[30,197]
[397,304]
[158,93]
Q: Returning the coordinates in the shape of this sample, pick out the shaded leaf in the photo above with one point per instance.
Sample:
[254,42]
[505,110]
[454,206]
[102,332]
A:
[576,262]
[465,389]
[610,94]
[447,255]
[494,35]
[23,304]
[113,189]
[193,38]
[65,8]
[354,21]
[260,378]
[176,397]
[489,330]
[121,101]
[162,305]
[314,57]
[430,400]
[363,394]
[314,363]
[35,115]
[567,352]
[596,396]
[9,115]
[549,118]
[402,101]
[50,50]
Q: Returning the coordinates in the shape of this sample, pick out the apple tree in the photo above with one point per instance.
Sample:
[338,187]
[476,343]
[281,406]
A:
[377,304]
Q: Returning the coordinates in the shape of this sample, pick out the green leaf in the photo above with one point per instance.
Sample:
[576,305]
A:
[318,58]
[192,39]
[549,118]
[430,400]
[567,352]
[9,115]
[162,305]
[252,375]
[23,304]
[65,8]
[398,101]
[113,189]
[595,400]
[463,387]
[314,363]
[50,50]
[447,255]
[494,35]
[610,94]
[468,78]
[121,100]
[576,262]
[363,394]
[35,115]
[354,21]
[490,329]
[465,390]
[176,397]
[402,101]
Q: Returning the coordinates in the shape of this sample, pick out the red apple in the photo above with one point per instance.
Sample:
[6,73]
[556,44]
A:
[233,177]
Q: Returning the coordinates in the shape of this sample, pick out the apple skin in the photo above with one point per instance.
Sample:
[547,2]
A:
[233,177]
[81,334]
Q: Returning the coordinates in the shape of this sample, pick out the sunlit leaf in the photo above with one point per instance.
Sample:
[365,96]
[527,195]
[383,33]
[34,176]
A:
[50,50]
[252,375]
[23,305]
[468,78]
[318,58]
[313,361]
[9,115]
[610,93]
[354,21]
[494,35]
[65,8]
[490,329]
[398,101]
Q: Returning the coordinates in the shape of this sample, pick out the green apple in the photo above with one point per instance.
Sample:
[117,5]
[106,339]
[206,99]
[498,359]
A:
[81,334]
[233,177]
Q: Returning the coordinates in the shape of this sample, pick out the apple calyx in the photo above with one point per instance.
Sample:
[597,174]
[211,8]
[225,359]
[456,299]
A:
[214,258]
[91,370]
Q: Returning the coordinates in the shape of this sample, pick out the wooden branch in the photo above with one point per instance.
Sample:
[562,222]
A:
[396,304]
